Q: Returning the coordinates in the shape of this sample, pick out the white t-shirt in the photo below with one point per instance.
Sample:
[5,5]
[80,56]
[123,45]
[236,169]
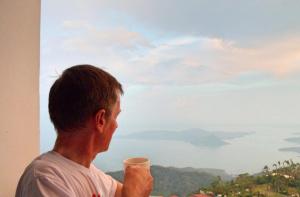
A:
[52,175]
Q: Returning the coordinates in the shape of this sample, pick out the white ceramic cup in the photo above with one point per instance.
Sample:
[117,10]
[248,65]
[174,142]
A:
[137,161]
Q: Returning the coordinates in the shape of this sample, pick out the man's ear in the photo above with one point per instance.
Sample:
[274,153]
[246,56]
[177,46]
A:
[100,119]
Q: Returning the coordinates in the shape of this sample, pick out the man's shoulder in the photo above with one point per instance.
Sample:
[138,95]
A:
[100,174]
[96,170]
[43,165]
[43,173]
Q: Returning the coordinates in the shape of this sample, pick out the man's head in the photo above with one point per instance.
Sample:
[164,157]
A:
[78,94]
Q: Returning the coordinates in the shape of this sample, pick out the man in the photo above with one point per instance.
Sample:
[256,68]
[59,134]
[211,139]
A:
[84,103]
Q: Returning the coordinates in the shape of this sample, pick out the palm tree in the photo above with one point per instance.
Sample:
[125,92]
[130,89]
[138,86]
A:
[287,162]
[266,170]
[275,165]
[288,167]
[293,168]
[292,163]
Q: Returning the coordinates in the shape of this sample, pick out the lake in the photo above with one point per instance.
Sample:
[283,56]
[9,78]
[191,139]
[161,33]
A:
[247,154]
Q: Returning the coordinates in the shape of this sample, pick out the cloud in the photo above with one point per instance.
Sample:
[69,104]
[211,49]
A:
[229,19]
[188,61]
[89,38]
[76,24]
[190,43]
[279,58]
[181,60]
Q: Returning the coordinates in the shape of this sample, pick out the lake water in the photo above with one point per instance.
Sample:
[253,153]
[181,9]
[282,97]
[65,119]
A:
[247,154]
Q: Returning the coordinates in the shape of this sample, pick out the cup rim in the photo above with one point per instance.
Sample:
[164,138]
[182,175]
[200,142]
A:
[136,160]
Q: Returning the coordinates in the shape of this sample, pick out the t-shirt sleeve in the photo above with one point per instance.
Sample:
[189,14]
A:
[107,183]
[47,187]
[112,186]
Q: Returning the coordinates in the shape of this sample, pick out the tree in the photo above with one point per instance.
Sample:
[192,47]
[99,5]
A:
[275,165]
[287,162]
[266,170]
[279,164]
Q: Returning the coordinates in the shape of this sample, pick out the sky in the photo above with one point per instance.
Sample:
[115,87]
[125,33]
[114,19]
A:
[183,64]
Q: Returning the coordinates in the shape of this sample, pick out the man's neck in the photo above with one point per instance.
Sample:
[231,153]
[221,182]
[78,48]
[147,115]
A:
[77,146]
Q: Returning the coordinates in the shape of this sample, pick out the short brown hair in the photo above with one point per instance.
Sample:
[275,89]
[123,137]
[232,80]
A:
[79,93]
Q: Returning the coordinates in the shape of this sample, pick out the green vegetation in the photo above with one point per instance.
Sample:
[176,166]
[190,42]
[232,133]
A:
[282,180]
[178,181]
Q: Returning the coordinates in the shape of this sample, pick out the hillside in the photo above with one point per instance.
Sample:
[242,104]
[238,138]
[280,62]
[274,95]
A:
[179,181]
[283,180]
[212,171]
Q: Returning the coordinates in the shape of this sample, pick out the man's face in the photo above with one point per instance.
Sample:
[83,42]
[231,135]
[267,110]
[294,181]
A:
[111,124]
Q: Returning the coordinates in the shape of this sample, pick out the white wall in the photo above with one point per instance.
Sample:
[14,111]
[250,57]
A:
[19,89]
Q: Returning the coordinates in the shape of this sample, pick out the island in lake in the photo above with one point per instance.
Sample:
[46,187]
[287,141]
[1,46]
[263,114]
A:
[295,149]
[294,140]
[196,137]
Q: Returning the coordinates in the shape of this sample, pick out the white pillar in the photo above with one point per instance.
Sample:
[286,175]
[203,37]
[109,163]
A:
[19,89]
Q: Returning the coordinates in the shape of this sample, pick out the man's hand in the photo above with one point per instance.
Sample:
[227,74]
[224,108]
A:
[138,182]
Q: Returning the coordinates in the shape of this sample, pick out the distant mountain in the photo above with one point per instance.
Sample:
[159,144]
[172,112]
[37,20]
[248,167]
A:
[291,149]
[295,140]
[196,137]
[179,181]
[215,172]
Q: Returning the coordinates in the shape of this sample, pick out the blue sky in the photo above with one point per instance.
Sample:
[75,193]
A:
[184,64]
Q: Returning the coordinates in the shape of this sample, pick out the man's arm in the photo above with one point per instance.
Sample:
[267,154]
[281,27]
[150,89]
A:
[119,189]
